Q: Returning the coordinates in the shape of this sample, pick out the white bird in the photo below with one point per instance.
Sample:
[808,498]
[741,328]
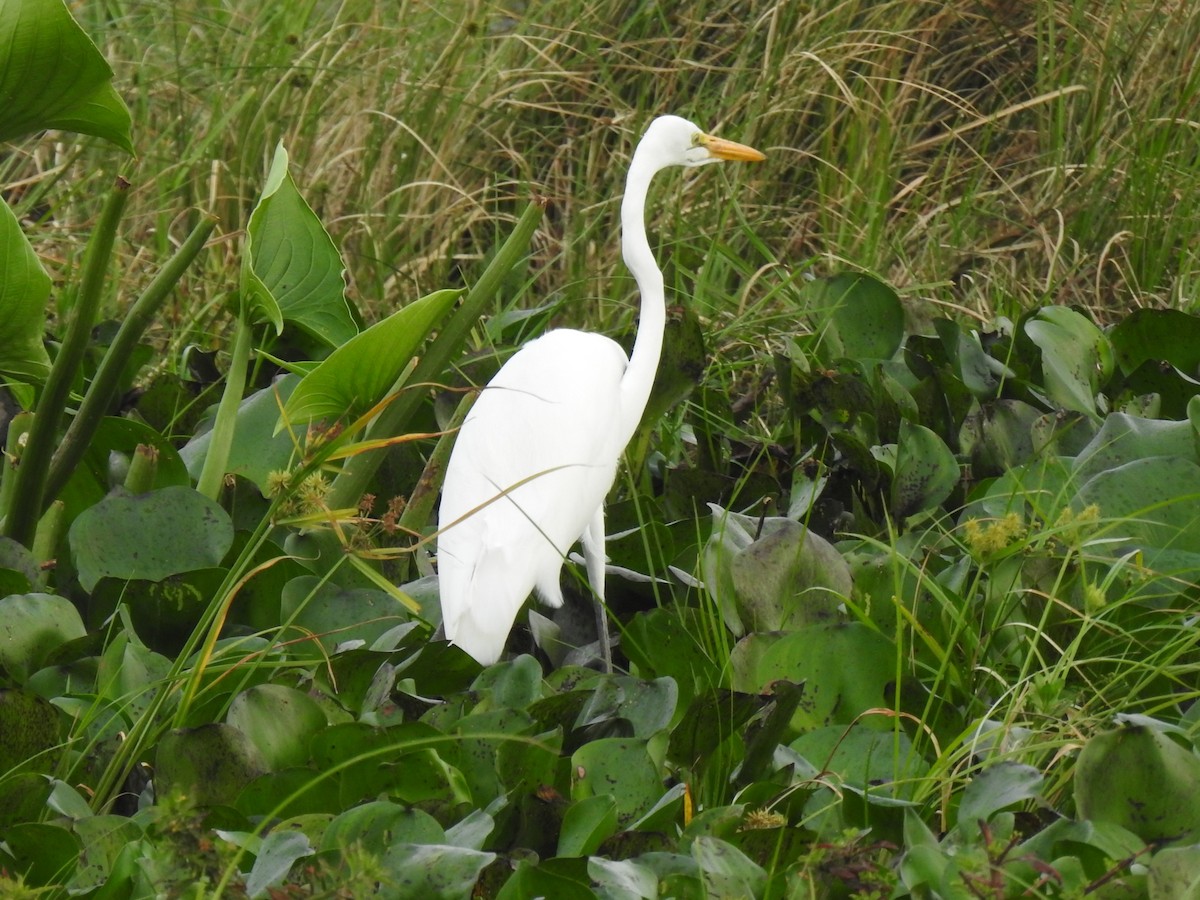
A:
[538,451]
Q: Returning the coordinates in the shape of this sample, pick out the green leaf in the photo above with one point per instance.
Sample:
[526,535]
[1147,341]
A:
[150,536]
[926,471]
[1076,356]
[24,290]
[433,871]
[620,768]
[44,854]
[279,721]
[208,765]
[54,77]
[359,373]
[292,270]
[376,824]
[727,871]
[995,788]
[29,733]
[275,858]
[846,669]
[336,615]
[867,319]
[1175,874]
[32,626]
[586,824]
[1140,779]
[258,447]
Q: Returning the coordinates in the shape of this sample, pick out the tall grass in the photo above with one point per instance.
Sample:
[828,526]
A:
[980,155]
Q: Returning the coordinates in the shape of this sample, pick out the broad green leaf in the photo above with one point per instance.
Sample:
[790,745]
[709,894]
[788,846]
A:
[996,787]
[32,626]
[926,471]
[727,871]
[360,372]
[54,77]
[864,758]
[24,289]
[374,825]
[1076,356]
[1140,779]
[1175,874]
[150,536]
[648,706]
[432,871]
[866,317]
[258,446]
[621,768]
[586,824]
[208,765]
[279,721]
[103,838]
[43,854]
[29,733]
[623,879]
[845,669]
[292,271]
[334,615]
[275,858]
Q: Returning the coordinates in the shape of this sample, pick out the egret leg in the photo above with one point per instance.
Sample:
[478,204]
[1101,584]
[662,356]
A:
[593,555]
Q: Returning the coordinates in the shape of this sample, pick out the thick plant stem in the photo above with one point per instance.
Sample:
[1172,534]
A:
[103,387]
[348,487]
[29,489]
[213,473]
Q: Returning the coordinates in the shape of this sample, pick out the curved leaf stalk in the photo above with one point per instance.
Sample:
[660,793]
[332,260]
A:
[103,387]
[29,489]
[348,487]
[213,473]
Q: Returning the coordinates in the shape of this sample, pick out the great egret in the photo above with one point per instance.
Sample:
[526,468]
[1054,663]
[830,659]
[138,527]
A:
[538,451]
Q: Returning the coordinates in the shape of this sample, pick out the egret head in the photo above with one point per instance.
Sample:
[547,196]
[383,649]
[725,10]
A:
[673,141]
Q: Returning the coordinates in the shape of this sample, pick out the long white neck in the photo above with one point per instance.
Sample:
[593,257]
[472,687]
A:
[643,361]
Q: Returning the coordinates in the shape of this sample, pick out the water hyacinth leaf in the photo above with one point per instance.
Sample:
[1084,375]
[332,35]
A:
[32,626]
[727,871]
[151,536]
[1175,874]
[995,788]
[618,767]
[1140,779]
[41,854]
[866,315]
[834,692]
[646,705]
[1076,356]
[1124,438]
[23,294]
[788,579]
[1155,335]
[424,871]
[512,685]
[375,824]
[258,448]
[926,471]
[359,373]
[103,838]
[275,857]
[292,270]
[623,879]
[208,765]
[333,615]
[29,733]
[999,436]
[279,721]
[1156,499]
[54,77]
[163,612]
[865,758]
[586,824]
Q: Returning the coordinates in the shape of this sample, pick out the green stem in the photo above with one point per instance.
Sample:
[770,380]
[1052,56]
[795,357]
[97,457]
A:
[213,473]
[29,490]
[348,487]
[103,388]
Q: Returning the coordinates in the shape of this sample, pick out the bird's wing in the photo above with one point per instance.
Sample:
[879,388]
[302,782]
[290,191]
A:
[530,467]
